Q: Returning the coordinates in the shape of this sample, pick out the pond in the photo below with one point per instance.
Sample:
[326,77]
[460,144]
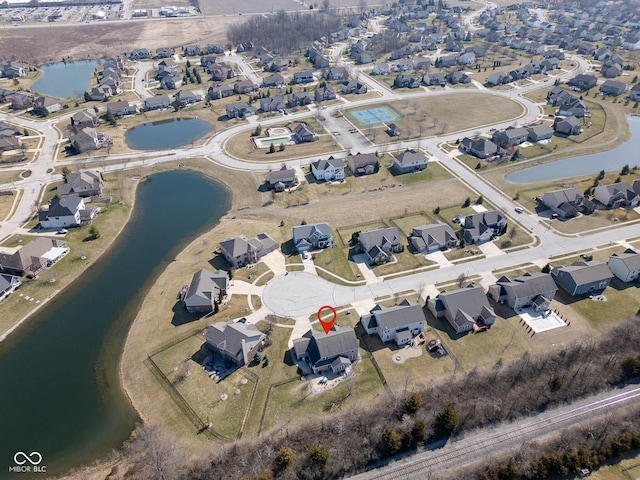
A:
[625,154]
[61,394]
[65,80]
[166,134]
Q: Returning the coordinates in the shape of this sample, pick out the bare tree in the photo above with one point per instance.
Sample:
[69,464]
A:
[155,455]
[461,279]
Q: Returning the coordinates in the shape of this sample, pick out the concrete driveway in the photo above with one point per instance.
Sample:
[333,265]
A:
[276,262]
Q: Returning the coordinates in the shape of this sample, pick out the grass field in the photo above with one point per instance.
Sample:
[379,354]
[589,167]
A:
[335,260]
[7,202]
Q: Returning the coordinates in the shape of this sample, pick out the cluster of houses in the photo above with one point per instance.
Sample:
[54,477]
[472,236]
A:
[109,80]
[502,142]
[569,202]
[86,137]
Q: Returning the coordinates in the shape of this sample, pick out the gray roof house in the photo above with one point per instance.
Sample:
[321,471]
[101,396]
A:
[464,309]
[479,147]
[304,133]
[399,323]
[303,77]
[328,170]
[157,102]
[46,105]
[511,136]
[539,132]
[186,97]
[379,245]
[582,278]
[537,290]
[67,211]
[567,126]
[85,140]
[567,202]
[432,237]
[205,291]
[634,93]
[236,342]
[613,88]
[33,257]
[120,108]
[84,183]
[240,110]
[8,283]
[220,91]
[481,227]
[410,161]
[274,80]
[363,163]
[84,118]
[626,265]
[616,195]
[240,251]
[312,237]
[334,352]
[281,179]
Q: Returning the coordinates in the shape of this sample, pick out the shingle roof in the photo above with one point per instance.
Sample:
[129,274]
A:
[630,259]
[529,284]
[411,157]
[228,337]
[398,316]
[305,231]
[205,287]
[319,345]
[583,273]
[379,238]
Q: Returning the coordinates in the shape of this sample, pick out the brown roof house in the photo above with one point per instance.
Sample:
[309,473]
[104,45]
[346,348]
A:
[334,351]
[304,133]
[46,105]
[84,183]
[236,342]
[281,179]
[379,245]
[464,309]
[399,323]
[33,257]
[240,251]
[363,163]
[205,291]
[84,118]
[529,290]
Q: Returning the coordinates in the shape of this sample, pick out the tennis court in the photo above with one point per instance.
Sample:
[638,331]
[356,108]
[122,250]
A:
[372,116]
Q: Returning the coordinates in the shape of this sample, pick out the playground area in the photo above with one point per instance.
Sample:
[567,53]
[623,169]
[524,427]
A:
[275,136]
[374,116]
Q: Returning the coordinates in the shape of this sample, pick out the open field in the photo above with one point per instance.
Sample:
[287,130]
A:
[444,114]
[7,202]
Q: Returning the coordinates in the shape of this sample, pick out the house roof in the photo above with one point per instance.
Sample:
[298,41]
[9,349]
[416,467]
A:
[282,174]
[205,287]
[7,281]
[235,246]
[86,115]
[79,180]
[465,304]
[396,317]
[629,258]
[62,207]
[529,284]
[22,258]
[318,345]
[436,233]
[622,188]
[379,238]
[305,231]
[228,337]
[411,157]
[363,159]
[323,164]
[584,273]
[157,100]
[565,195]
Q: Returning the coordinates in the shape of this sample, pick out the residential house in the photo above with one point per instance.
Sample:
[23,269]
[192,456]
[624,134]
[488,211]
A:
[11,70]
[483,226]
[100,93]
[220,71]
[10,143]
[273,80]
[8,284]
[537,133]
[323,94]
[616,195]
[163,52]
[479,147]
[352,86]
[157,102]
[170,82]
[303,77]
[583,82]
[139,54]
[33,257]
[236,342]
[320,62]
[499,78]
[120,108]
[529,290]
[405,81]
[298,99]
[626,265]
[84,118]
[84,183]
[167,66]
[432,237]
[240,251]
[46,105]
[510,136]
[611,70]
[613,88]
[399,323]
[363,163]
[410,161]
[634,93]
[221,91]
[205,291]
[328,170]
[567,126]
[240,110]
[66,211]
[434,79]
[379,245]
[312,237]
[336,74]
[457,77]
[566,203]
[191,51]
[582,278]
[185,98]
[572,107]
[272,104]
[276,66]
[333,352]
[381,69]
[208,60]
[394,130]
[404,65]
[304,133]
[465,309]
[281,179]
[85,140]
[244,86]
[558,96]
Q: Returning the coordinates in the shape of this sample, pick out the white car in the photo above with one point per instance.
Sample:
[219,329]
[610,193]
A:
[519,209]
[62,231]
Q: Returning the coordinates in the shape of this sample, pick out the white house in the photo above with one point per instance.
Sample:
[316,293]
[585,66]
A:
[67,211]
[399,323]
[625,266]
[328,170]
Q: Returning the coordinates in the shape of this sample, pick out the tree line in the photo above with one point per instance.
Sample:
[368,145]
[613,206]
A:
[283,32]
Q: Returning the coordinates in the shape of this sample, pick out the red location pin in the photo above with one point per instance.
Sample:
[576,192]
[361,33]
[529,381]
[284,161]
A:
[327,324]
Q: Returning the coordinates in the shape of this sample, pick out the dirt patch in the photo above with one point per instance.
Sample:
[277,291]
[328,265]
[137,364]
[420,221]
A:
[39,45]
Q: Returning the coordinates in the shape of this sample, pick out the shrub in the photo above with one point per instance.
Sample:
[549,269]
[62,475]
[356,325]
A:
[285,457]
[446,421]
[390,440]
[318,454]
[94,233]
[413,402]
